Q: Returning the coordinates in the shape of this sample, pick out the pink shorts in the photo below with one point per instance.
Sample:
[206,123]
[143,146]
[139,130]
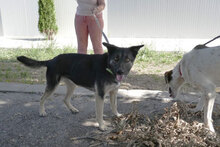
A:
[86,26]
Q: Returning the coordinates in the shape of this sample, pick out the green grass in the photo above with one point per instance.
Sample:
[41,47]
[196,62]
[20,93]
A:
[40,53]
[155,57]
[13,71]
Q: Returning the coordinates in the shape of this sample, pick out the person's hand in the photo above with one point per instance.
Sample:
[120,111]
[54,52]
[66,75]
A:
[100,7]
[96,10]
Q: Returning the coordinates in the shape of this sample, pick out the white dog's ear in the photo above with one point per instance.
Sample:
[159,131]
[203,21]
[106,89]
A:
[168,76]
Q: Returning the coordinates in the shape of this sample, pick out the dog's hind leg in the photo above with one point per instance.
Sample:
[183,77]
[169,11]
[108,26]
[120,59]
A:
[113,102]
[70,88]
[209,99]
[208,108]
[52,82]
[46,95]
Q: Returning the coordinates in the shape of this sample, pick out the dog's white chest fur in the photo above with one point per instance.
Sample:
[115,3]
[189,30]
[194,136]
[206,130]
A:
[111,87]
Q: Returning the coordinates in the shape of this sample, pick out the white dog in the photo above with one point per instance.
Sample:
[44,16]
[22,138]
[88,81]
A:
[199,67]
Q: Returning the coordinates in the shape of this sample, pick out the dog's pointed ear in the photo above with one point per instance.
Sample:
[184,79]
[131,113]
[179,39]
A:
[110,47]
[135,49]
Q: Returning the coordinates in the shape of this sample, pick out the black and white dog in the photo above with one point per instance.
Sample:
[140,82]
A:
[99,73]
[199,67]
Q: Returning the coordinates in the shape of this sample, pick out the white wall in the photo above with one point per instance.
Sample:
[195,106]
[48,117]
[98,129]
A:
[19,17]
[164,18]
[123,18]
[1,28]
[65,14]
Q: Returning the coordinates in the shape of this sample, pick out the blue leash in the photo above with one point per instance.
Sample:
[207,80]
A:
[97,21]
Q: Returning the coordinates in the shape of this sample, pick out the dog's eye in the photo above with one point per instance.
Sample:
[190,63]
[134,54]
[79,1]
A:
[116,59]
[127,60]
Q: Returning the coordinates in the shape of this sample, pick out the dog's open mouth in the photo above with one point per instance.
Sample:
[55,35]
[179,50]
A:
[119,78]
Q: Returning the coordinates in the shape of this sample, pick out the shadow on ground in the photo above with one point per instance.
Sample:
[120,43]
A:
[144,81]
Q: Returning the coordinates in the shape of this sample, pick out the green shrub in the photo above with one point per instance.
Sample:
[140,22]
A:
[47,18]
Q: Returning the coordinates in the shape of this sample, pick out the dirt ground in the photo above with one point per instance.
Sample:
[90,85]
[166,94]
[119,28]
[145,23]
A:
[148,78]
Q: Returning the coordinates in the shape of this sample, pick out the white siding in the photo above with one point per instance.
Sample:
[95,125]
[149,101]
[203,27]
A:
[19,17]
[123,18]
[65,14]
[1,28]
[164,18]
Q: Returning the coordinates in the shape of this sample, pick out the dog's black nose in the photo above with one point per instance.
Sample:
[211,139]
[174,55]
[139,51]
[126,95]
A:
[120,72]
[170,91]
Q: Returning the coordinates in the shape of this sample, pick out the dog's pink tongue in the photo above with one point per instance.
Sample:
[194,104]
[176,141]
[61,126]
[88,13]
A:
[119,77]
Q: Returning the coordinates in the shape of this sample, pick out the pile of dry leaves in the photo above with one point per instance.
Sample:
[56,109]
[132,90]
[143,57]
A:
[176,127]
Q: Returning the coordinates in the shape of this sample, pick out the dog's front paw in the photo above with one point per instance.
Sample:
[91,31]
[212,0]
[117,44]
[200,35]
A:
[118,114]
[211,128]
[103,127]
[43,113]
[74,110]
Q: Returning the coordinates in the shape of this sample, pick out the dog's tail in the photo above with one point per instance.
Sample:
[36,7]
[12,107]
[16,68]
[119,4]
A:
[31,62]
